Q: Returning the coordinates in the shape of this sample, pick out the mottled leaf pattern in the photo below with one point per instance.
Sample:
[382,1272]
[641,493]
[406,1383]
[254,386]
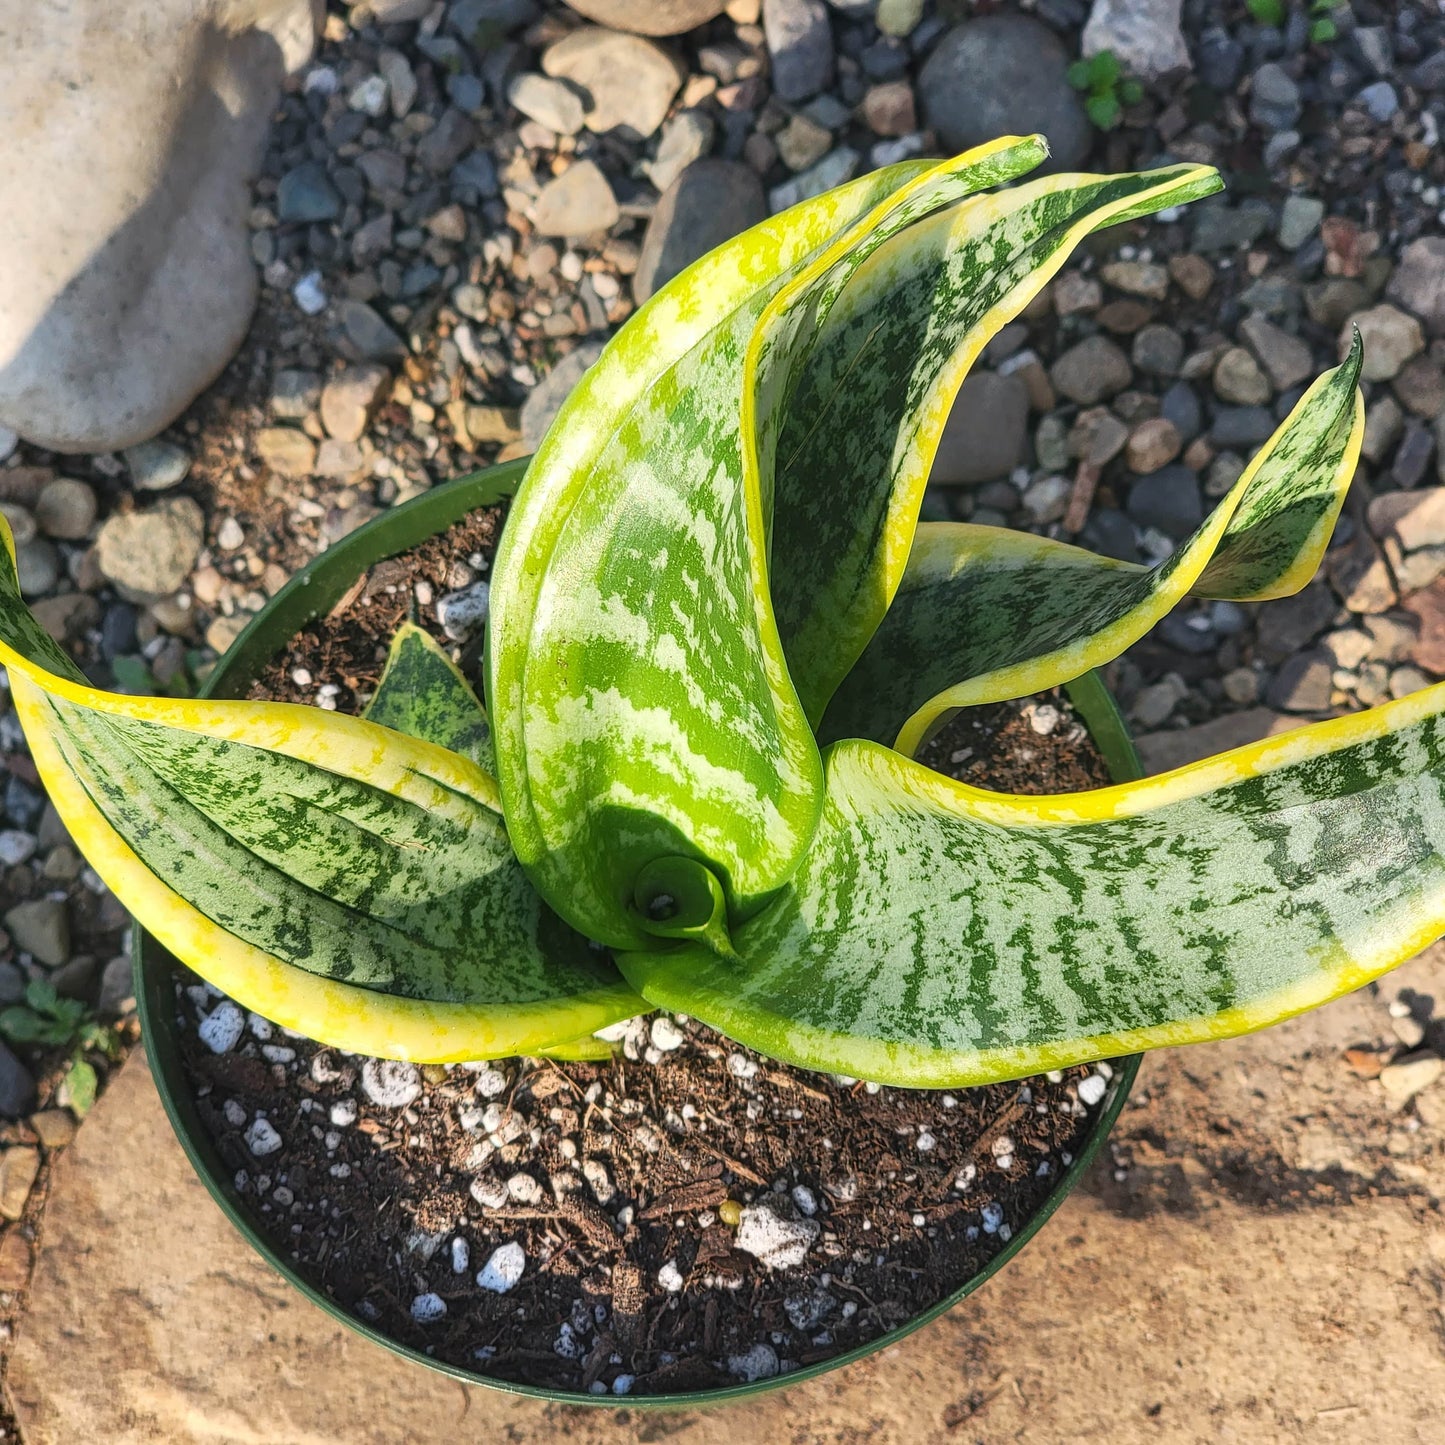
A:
[984,613]
[938,935]
[422,693]
[384,875]
[887,334]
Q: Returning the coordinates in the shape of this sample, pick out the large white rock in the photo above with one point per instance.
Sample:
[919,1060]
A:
[131,132]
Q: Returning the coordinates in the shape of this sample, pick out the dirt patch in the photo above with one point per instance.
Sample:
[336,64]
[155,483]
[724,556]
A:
[682,1215]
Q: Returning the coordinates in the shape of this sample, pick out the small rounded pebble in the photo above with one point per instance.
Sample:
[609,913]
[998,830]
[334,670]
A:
[992,1217]
[343,1113]
[805,1199]
[622,1385]
[759,1363]
[461,1255]
[524,1189]
[427,1308]
[1092,1089]
[490,1083]
[221,1030]
[503,1269]
[926,1141]
[489,1193]
[235,1113]
[670,1277]
[390,1084]
[262,1138]
[742,1067]
[665,1034]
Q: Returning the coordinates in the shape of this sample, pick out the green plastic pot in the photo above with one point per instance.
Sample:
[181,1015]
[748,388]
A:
[312,593]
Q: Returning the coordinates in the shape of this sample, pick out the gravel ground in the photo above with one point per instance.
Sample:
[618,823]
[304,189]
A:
[462,200]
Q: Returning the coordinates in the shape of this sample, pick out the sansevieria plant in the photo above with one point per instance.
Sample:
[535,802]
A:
[718,634]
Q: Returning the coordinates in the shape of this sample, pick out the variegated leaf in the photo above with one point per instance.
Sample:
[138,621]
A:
[642,707]
[344,879]
[422,693]
[940,935]
[984,613]
[876,341]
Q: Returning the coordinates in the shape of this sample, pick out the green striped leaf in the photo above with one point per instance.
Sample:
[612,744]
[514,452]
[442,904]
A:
[340,877]
[939,935]
[878,340]
[635,679]
[984,613]
[423,694]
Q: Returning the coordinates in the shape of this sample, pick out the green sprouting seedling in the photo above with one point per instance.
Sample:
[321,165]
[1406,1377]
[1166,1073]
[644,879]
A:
[46,1020]
[1322,28]
[1107,90]
[718,636]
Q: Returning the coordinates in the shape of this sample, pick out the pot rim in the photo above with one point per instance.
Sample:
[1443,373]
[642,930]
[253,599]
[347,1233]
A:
[311,593]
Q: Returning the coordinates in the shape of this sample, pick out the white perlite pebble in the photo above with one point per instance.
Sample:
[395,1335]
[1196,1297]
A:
[343,1113]
[1044,719]
[490,1083]
[222,1030]
[670,1277]
[805,1199]
[235,1113]
[502,1271]
[461,1255]
[16,847]
[1092,1089]
[623,1384]
[390,1084]
[262,1138]
[779,1242]
[489,1193]
[263,1029]
[427,1308]
[666,1036]
[741,1067]
[760,1363]
[926,1141]
[524,1189]
[992,1218]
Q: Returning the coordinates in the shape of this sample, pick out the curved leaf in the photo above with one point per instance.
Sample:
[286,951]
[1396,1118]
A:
[341,878]
[984,613]
[938,935]
[878,340]
[641,703]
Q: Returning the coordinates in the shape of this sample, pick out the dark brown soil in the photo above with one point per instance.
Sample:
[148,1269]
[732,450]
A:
[390,1187]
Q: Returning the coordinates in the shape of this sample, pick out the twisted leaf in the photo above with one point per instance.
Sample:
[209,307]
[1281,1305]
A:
[939,935]
[984,613]
[887,332]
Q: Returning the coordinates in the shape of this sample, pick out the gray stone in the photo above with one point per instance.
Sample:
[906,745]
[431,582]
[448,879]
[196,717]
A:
[629,81]
[1289,624]
[800,47]
[294,394]
[1004,75]
[1091,371]
[447,141]
[686,138]
[1241,426]
[1167,500]
[480,22]
[579,202]
[306,194]
[1181,406]
[1391,337]
[650,17]
[1299,219]
[546,398]
[37,565]
[1381,100]
[157,465]
[1303,684]
[1238,379]
[1158,350]
[709,203]
[364,335]
[151,553]
[1286,358]
[553,103]
[286,450]
[1144,34]
[41,928]
[126,278]
[1418,282]
[66,509]
[985,433]
[1274,99]
[835,168]
[1410,519]
[1219,227]
[17,1088]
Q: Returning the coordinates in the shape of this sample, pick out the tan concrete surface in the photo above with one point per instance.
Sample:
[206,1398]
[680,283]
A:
[1262,1260]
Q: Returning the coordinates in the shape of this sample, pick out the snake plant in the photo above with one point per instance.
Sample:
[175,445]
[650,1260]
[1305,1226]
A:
[718,635]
